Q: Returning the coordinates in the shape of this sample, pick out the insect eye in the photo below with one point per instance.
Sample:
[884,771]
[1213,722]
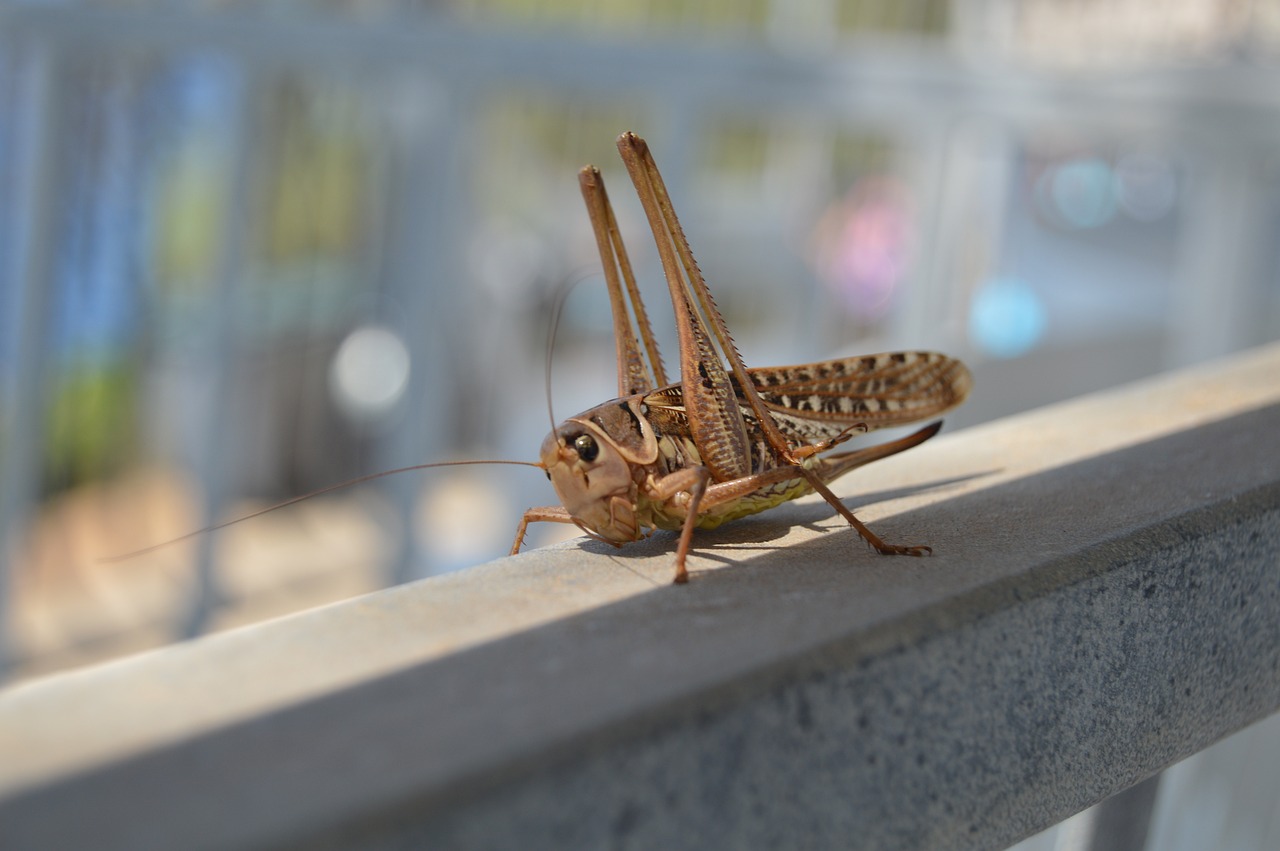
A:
[586,446]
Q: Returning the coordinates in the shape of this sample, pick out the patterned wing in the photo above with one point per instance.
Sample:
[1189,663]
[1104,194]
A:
[814,401]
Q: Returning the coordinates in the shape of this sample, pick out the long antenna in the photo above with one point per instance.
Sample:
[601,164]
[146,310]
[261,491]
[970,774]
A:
[557,310]
[339,486]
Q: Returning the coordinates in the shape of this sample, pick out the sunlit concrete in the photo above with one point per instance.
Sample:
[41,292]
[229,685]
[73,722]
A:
[1102,600]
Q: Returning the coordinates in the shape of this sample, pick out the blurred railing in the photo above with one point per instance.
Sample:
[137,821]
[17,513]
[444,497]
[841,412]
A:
[164,176]
[1101,602]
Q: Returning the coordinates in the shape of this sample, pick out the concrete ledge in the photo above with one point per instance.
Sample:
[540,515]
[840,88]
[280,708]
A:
[1104,599]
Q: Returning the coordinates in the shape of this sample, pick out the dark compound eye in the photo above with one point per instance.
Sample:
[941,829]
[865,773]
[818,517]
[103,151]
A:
[586,446]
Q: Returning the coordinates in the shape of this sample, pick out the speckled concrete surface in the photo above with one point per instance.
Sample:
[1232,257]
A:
[1104,598]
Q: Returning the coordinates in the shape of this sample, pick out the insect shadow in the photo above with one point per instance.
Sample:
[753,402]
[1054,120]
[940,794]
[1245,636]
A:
[755,532]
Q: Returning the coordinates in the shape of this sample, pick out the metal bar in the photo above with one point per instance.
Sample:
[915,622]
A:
[866,80]
[22,408]
[1123,820]
[221,355]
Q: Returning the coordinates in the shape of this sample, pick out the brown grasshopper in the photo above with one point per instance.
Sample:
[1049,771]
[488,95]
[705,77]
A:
[721,443]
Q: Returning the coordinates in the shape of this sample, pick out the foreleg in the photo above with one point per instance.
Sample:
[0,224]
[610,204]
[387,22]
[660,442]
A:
[547,514]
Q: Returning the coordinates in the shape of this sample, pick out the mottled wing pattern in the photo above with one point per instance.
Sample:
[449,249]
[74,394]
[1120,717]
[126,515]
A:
[814,401]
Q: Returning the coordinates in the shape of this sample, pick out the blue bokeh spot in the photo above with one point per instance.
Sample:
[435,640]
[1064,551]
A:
[1007,318]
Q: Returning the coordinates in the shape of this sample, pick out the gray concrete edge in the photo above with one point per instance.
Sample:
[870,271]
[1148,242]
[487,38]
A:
[739,767]
[1078,628]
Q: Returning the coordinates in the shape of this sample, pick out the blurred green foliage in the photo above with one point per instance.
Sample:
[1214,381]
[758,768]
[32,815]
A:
[92,423]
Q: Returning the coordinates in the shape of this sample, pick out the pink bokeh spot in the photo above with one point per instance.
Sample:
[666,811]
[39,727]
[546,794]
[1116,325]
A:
[862,246]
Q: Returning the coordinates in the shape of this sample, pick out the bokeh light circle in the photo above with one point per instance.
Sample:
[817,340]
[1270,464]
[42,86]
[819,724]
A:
[1007,318]
[369,373]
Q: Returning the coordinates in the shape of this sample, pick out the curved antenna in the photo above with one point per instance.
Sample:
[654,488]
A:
[339,486]
[557,310]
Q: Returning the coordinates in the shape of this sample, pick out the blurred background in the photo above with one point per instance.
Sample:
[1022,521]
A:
[249,250]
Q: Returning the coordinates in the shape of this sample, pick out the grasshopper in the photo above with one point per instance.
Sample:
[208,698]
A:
[721,443]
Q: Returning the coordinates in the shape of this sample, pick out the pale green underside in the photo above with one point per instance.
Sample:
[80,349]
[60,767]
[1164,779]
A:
[761,500]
